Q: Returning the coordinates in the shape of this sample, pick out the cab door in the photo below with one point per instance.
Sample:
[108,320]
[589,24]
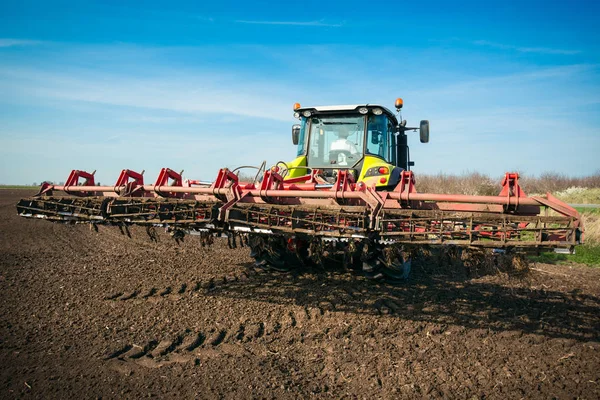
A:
[380,138]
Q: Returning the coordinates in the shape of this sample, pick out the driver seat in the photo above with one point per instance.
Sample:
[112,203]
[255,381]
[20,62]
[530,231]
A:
[339,157]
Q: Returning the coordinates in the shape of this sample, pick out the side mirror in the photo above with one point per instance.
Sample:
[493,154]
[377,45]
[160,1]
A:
[424,131]
[295,134]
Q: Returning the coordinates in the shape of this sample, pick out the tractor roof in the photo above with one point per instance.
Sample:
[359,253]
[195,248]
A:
[342,108]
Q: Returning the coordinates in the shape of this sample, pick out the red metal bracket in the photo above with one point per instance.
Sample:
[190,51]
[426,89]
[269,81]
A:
[227,179]
[164,176]
[45,189]
[407,185]
[375,202]
[344,183]
[233,196]
[271,181]
[125,187]
[127,174]
[223,178]
[407,182]
[511,188]
[510,185]
[73,180]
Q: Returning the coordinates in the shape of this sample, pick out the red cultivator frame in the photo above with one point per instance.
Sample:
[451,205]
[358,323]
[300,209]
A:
[302,206]
[302,220]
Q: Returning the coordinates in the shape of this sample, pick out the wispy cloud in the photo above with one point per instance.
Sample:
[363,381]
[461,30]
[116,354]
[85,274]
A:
[292,23]
[204,18]
[522,49]
[192,93]
[7,42]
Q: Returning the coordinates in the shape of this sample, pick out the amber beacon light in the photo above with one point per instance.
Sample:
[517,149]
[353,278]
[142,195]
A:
[399,103]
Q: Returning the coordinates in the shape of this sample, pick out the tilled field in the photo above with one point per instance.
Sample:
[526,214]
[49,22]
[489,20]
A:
[90,314]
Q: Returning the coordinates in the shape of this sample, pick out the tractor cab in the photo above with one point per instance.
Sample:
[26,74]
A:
[368,140]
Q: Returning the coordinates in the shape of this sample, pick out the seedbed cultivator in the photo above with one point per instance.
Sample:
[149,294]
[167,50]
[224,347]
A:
[300,220]
[348,196]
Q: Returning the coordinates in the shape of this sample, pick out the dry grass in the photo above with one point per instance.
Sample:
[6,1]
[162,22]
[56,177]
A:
[579,195]
[479,184]
[471,184]
[555,182]
[591,225]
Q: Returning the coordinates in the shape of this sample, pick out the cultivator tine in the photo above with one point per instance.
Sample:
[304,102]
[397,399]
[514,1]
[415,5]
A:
[151,232]
[231,242]
[124,229]
[178,235]
[206,239]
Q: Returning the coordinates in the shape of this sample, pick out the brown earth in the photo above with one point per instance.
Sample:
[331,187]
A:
[99,315]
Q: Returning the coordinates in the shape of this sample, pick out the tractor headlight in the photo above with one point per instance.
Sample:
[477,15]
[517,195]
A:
[297,115]
[306,113]
[377,111]
[363,110]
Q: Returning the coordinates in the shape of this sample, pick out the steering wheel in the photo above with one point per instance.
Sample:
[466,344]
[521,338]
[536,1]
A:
[334,156]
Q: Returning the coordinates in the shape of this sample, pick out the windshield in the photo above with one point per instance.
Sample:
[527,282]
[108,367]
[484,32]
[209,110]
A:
[335,141]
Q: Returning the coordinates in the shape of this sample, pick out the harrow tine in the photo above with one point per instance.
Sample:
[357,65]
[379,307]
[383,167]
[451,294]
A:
[151,231]
[178,235]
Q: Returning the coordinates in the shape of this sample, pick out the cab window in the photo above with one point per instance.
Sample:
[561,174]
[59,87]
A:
[392,141]
[302,138]
[380,137]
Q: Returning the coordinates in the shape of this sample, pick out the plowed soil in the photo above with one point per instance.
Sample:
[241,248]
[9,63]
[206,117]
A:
[88,314]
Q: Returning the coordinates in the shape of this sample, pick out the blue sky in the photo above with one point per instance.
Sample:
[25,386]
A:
[511,85]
